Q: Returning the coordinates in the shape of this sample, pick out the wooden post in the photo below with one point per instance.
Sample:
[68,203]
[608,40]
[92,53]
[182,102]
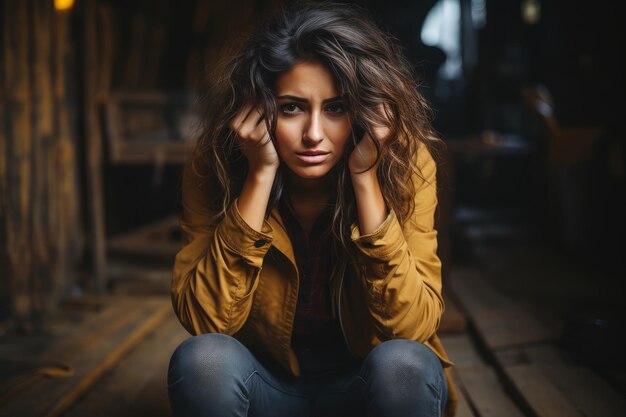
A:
[70,242]
[5,281]
[94,151]
[40,228]
[16,172]
[44,205]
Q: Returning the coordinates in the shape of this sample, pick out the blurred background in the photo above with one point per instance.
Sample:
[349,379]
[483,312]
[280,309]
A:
[98,114]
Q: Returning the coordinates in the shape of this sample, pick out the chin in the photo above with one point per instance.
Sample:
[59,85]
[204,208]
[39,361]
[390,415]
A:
[310,173]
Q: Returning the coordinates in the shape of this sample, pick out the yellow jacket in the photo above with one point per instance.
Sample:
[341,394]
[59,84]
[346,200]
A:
[229,278]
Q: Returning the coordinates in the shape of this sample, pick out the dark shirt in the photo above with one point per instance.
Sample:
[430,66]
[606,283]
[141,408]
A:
[314,323]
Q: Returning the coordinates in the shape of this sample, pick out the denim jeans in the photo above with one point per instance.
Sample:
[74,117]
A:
[214,375]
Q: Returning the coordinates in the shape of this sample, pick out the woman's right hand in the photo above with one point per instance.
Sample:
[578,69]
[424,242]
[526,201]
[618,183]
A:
[254,140]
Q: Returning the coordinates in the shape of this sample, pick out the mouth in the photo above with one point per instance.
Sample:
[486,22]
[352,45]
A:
[313,157]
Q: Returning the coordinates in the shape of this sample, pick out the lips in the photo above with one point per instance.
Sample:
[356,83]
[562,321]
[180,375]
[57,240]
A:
[313,157]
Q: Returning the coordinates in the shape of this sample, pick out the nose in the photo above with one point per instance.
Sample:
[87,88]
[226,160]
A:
[314,131]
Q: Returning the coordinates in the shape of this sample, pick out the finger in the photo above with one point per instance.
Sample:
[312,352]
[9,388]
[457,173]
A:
[260,134]
[250,115]
[253,119]
[261,115]
[251,123]
[255,114]
[238,120]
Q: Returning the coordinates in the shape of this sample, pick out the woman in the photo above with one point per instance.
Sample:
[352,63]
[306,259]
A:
[309,273]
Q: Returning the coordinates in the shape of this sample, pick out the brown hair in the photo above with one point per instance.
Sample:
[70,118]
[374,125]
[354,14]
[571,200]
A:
[369,68]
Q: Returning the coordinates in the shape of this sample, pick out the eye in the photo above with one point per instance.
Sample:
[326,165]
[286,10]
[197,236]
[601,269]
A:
[290,108]
[336,108]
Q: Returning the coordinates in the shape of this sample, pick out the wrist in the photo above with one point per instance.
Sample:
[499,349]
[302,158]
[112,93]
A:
[364,178]
[262,174]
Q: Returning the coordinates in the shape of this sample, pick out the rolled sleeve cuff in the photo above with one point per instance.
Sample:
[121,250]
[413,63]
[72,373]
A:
[243,239]
[383,242]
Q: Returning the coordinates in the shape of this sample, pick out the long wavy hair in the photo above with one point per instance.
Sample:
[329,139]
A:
[369,69]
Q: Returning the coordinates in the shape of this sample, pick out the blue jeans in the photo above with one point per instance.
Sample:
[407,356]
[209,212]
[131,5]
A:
[214,375]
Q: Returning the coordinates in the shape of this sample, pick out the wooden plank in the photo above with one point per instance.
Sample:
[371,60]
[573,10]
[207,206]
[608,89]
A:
[139,382]
[463,408]
[480,392]
[153,398]
[485,393]
[543,398]
[519,344]
[500,321]
[461,350]
[452,320]
[69,398]
[51,397]
[581,386]
[30,354]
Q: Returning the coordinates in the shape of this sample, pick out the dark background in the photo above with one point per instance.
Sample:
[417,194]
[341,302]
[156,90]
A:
[531,186]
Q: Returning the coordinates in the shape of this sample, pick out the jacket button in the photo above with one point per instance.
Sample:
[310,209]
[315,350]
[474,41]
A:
[260,243]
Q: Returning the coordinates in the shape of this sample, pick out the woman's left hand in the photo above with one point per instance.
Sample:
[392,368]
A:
[364,154]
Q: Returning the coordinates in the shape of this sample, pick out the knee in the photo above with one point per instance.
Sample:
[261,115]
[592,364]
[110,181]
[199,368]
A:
[398,366]
[206,357]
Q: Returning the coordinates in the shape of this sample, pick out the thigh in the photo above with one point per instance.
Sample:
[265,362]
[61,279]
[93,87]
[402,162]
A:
[404,378]
[275,393]
[398,378]
[214,374]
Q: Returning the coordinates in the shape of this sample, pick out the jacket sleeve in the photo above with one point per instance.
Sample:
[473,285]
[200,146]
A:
[400,267]
[217,269]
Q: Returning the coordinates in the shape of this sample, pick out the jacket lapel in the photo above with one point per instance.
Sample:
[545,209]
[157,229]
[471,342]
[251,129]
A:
[281,239]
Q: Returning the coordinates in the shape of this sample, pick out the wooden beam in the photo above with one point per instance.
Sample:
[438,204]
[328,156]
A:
[521,350]
[70,242]
[575,385]
[500,321]
[44,172]
[95,188]
[541,395]
[137,383]
[5,287]
[480,392]
[78,363]
[16,172]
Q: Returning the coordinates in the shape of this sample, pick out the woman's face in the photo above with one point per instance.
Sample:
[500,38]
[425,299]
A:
[313,125]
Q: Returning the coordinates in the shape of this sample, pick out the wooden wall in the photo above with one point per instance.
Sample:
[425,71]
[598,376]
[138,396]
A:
[58,71]
[41,238]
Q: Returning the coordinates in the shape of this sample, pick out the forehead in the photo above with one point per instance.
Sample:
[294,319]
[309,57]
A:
[307,79]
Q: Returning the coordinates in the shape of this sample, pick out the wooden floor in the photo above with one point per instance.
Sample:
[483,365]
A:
[509,364]
[108,356]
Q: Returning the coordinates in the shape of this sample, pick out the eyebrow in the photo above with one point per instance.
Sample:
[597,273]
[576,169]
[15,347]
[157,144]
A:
[304,100]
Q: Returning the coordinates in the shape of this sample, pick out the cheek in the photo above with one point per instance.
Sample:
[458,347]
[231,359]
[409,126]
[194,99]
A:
[341,134]
[286,134]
